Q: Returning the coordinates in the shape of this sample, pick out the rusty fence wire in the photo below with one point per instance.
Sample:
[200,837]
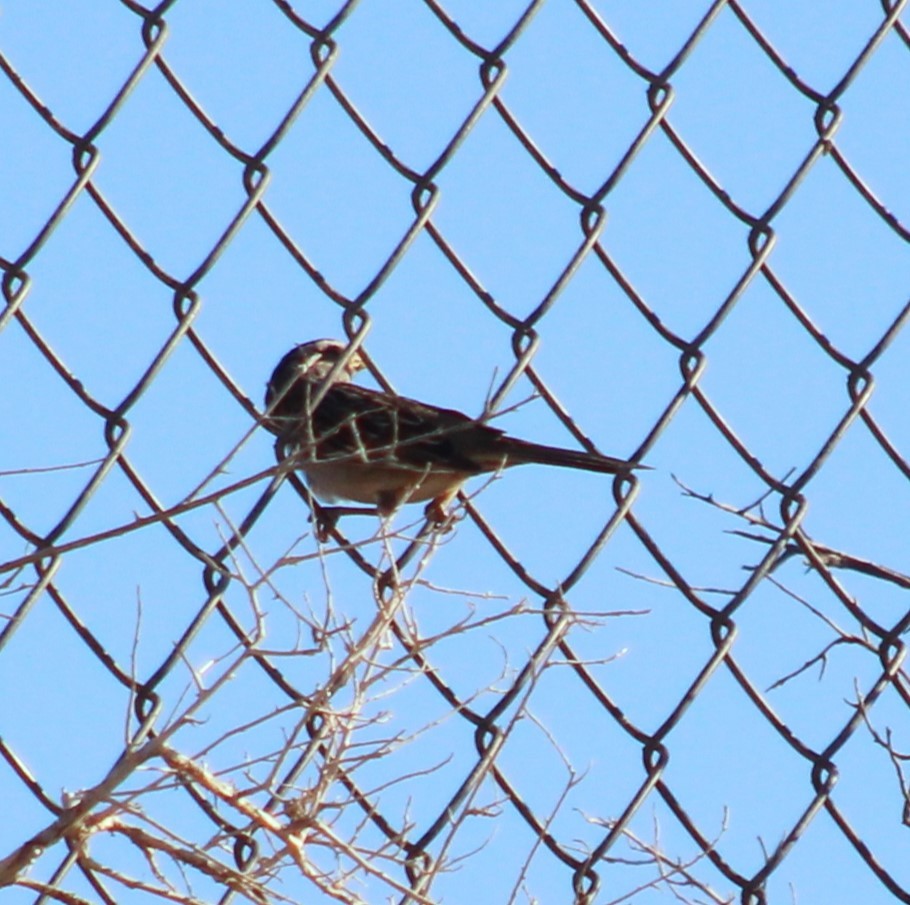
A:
[675,233]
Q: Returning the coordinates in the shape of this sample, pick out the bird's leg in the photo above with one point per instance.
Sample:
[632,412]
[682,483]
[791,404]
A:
[437,512]
[326,518]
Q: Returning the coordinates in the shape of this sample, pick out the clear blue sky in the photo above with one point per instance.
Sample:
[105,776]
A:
[106,316]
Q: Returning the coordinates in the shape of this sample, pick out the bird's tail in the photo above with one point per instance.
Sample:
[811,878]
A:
[520,452]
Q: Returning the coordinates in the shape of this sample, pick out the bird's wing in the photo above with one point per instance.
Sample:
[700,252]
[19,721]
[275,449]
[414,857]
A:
[371,425]
[365,425]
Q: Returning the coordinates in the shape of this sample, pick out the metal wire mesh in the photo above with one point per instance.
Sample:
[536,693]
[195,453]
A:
[235,711]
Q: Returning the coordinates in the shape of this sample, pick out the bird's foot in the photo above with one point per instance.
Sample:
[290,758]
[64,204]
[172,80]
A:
[325,518]
[439,517]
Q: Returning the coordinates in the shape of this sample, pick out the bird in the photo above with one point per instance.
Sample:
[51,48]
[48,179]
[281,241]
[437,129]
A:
[378,448]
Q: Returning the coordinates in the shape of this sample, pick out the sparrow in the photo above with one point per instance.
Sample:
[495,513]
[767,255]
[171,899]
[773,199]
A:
[373,447]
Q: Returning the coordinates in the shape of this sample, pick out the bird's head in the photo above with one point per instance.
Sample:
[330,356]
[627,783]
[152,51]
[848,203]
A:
[308,363]
[314,360]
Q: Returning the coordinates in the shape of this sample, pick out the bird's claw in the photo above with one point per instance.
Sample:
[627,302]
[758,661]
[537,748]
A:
[439,518]
[325,518]
[324,522]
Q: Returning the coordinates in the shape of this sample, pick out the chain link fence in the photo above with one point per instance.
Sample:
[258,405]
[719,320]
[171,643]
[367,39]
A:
[679,234]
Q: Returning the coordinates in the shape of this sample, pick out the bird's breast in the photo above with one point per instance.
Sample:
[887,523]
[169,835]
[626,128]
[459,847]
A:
[373,483]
